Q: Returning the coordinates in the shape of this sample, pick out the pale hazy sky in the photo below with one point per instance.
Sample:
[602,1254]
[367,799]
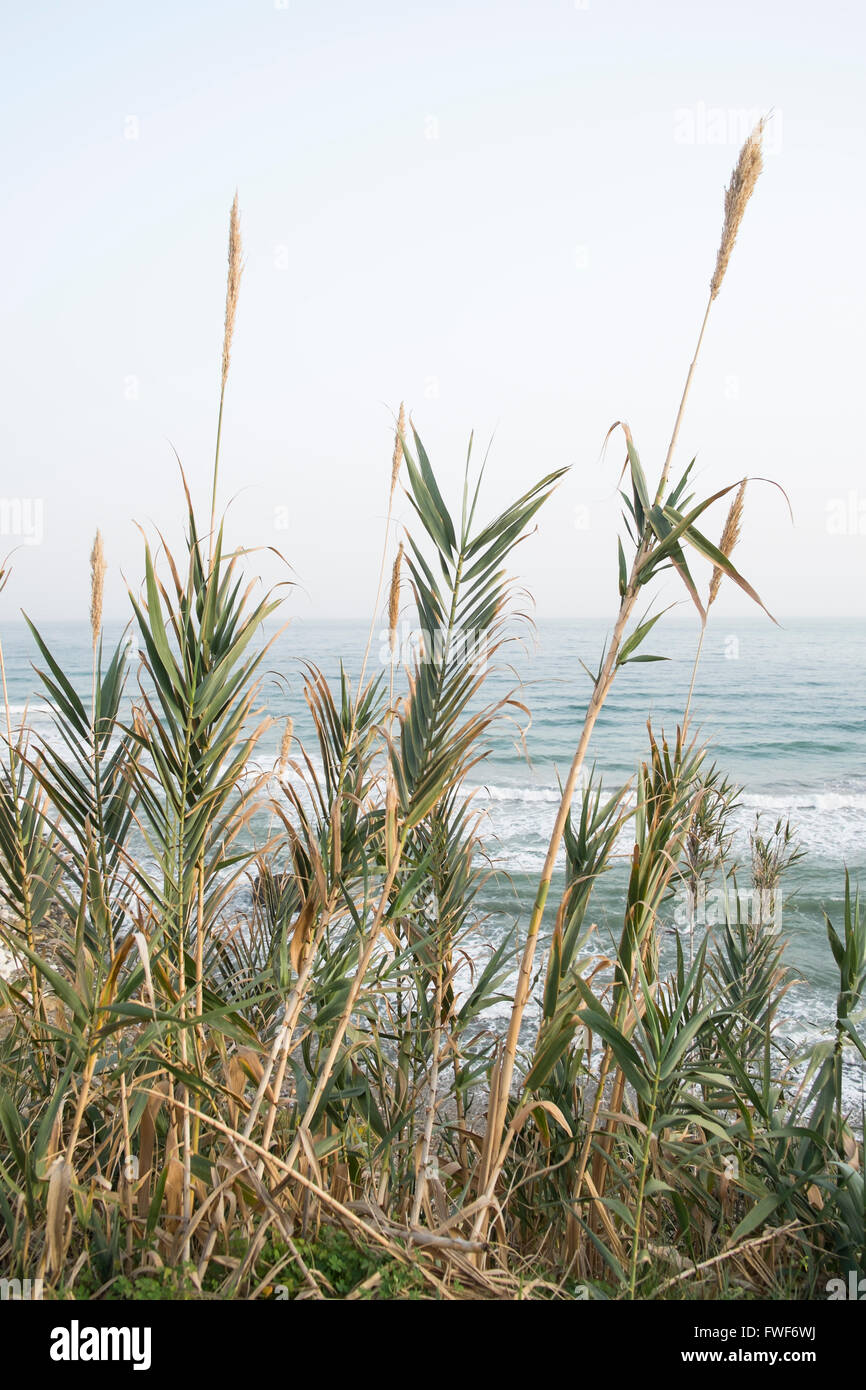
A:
[506,214]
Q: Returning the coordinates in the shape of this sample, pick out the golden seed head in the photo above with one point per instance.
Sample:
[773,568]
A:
[737,195]
[233,284]
[394,599]
[730,536]
[285,745]
[398,447]
[97,587]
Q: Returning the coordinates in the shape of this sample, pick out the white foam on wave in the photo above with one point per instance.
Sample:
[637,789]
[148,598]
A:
[528,794]
[779,801]
[789,802]
[827,824]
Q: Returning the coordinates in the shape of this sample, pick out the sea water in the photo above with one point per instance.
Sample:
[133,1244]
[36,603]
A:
[781,709]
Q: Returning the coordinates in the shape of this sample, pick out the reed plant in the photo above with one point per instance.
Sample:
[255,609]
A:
[233,1057]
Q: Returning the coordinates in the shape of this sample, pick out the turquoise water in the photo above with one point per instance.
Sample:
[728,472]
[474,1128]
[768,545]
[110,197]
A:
[782,710]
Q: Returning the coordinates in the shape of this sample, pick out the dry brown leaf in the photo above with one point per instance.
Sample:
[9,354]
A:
[301,934]
[59,1184]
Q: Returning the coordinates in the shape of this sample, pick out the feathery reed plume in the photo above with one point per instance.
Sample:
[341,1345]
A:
[233,284]
[398,447]
[285,745]
[737,195]
[97,587]
[730,536]
[394,600]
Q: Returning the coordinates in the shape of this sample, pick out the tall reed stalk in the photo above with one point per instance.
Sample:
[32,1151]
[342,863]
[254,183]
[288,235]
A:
[654,533]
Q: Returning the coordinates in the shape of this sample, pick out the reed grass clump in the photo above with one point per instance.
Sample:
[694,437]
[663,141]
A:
[216,1089]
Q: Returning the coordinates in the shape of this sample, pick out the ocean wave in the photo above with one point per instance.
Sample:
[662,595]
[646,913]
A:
[491,792]
[757,801]
[805,801]
[828,825]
